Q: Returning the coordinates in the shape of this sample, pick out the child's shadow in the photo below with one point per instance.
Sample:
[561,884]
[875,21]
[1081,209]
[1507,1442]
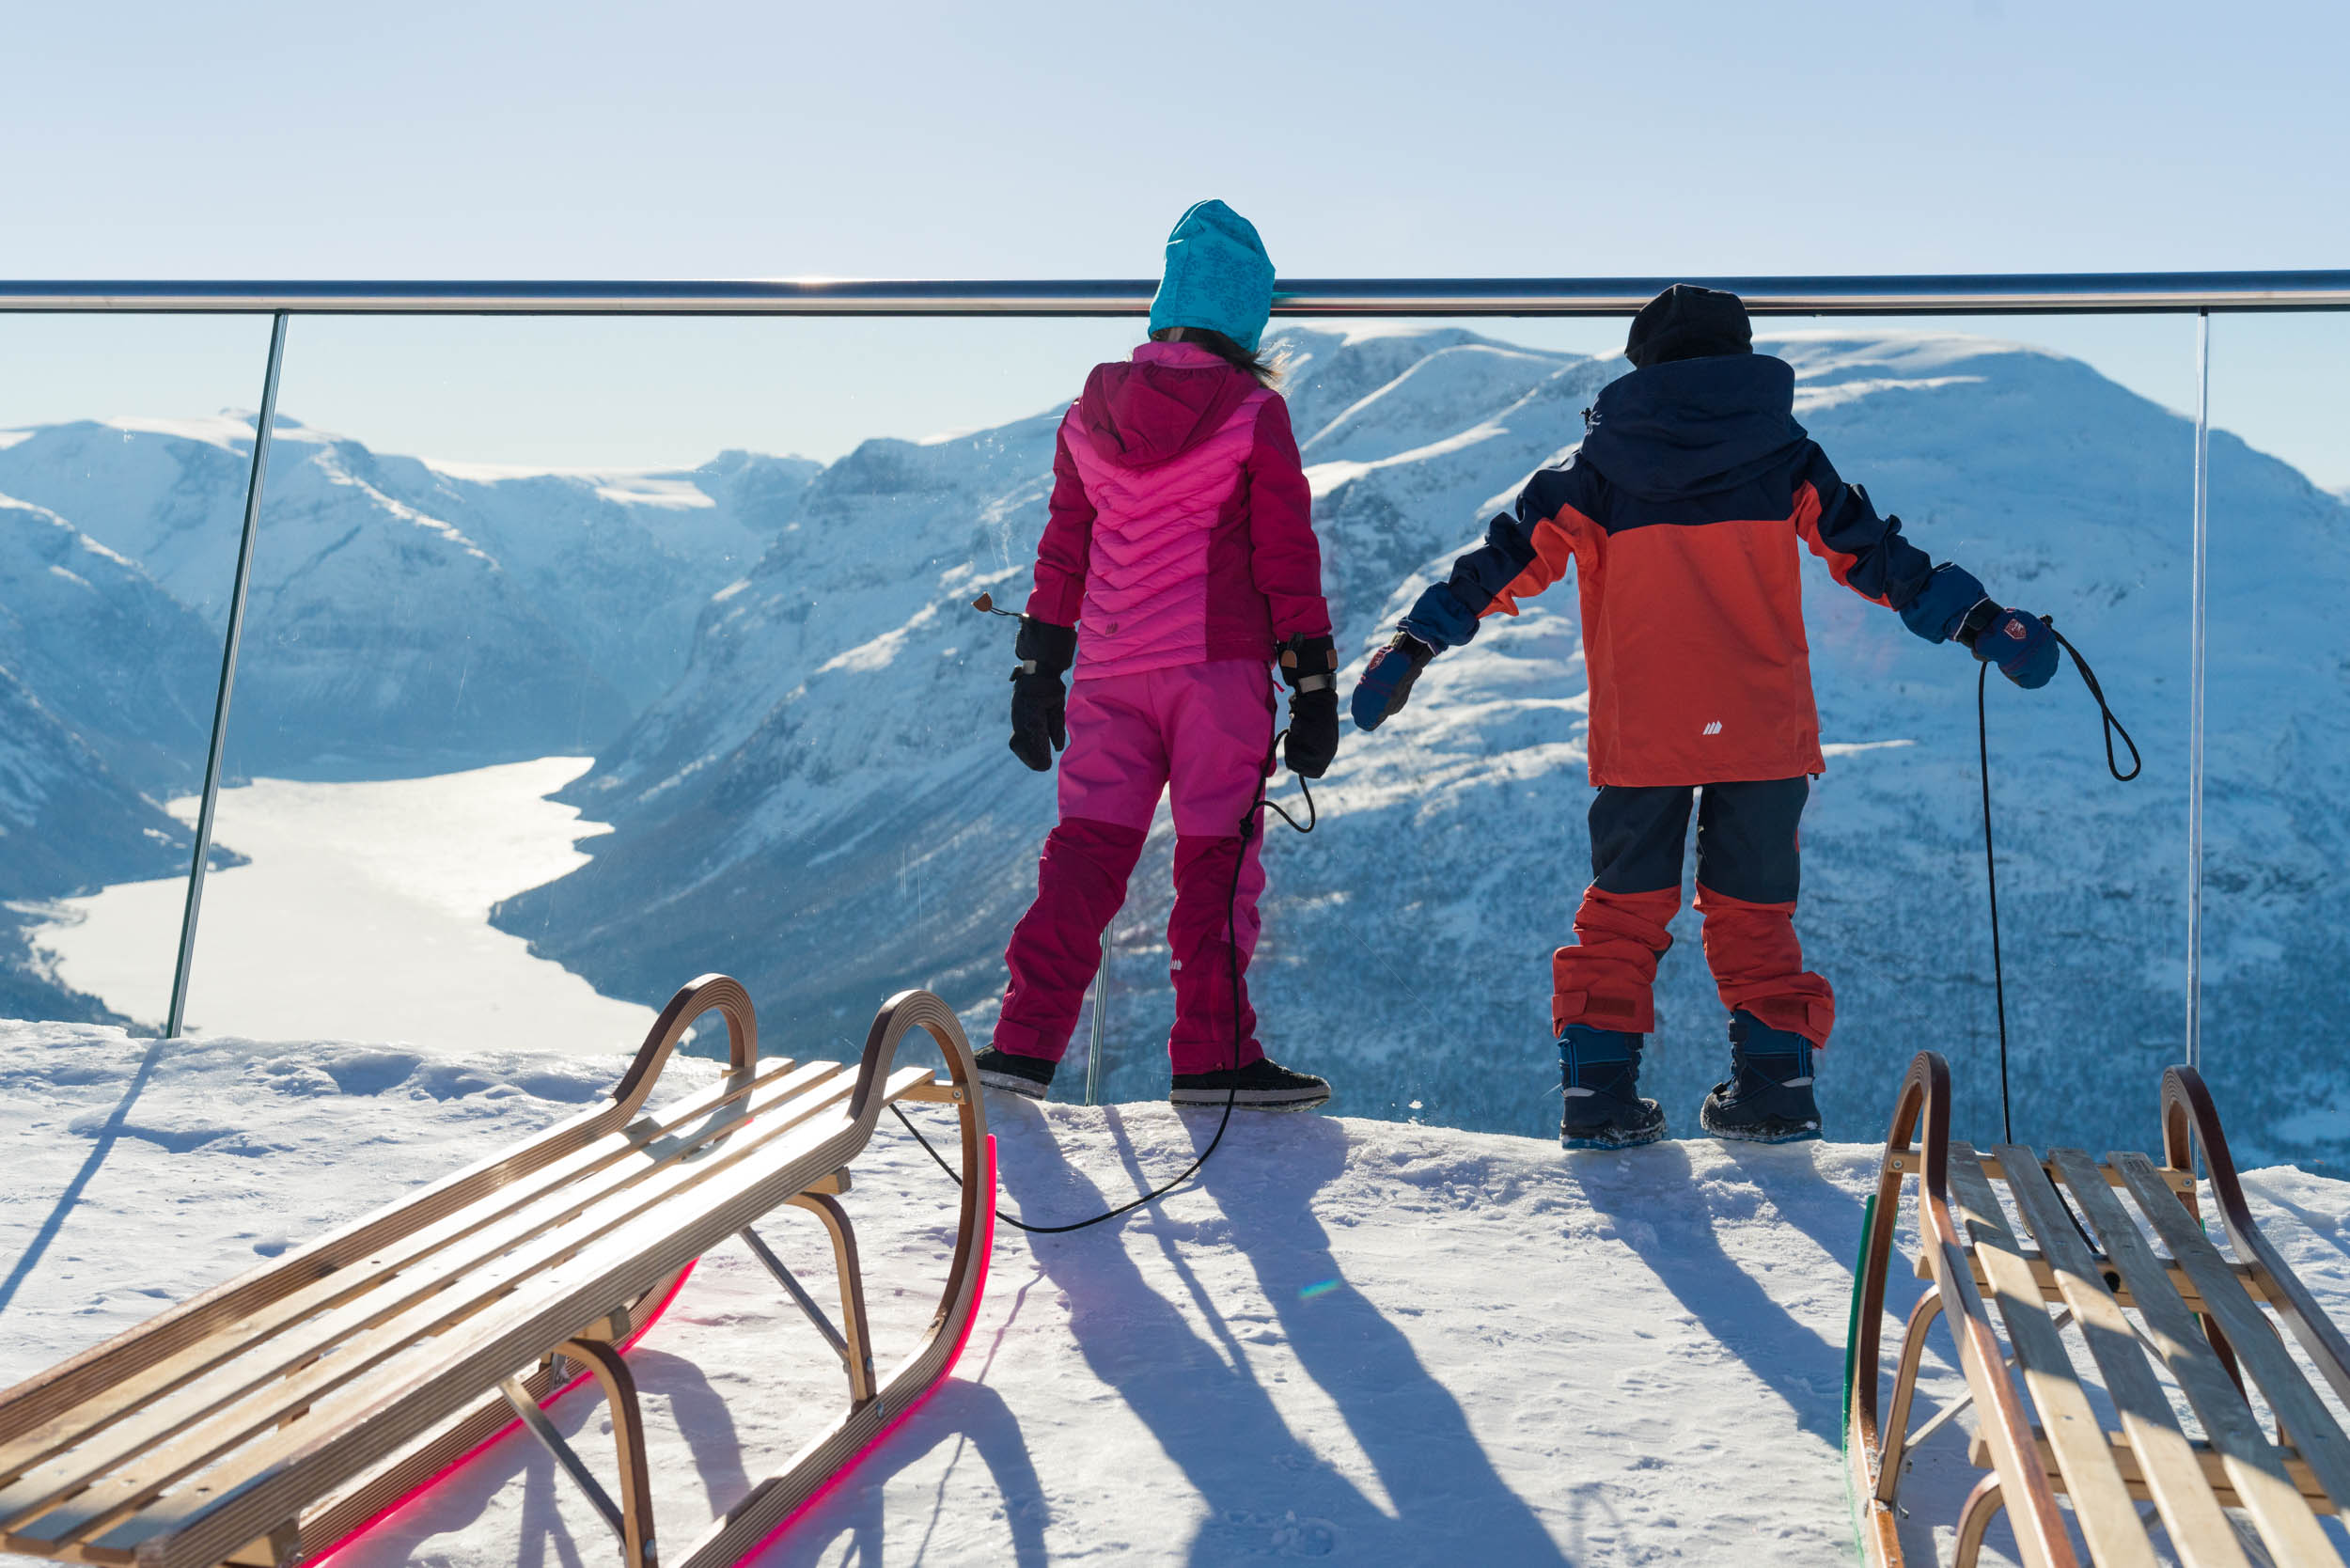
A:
[1444,1488]
[1267,1492]
[1653,1192]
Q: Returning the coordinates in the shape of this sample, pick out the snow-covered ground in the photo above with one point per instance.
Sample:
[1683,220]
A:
[1367,1341]
[351,892]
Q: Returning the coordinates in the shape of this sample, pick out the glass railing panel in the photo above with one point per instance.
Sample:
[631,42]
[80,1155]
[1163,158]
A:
[2051,456]
[445,638]
[1456,848]
[524,740]
[2276,863]
[124,447]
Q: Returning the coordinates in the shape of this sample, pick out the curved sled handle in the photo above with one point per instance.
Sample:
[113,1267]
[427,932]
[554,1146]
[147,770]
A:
[2191,1120]
[695,997]
[1925,1092]
[1925,1097]
[898,1016]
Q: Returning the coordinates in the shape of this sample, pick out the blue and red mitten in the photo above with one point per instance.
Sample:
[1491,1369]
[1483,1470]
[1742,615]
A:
[2020,643]
[1386,681]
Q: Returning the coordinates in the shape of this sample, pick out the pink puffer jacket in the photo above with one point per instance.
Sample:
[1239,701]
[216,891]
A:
[1181,528]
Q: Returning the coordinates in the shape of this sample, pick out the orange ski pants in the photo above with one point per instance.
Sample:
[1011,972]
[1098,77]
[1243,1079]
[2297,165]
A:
[1748,866]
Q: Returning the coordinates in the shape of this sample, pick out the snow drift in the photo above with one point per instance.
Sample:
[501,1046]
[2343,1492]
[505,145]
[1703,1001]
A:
[1357,1340]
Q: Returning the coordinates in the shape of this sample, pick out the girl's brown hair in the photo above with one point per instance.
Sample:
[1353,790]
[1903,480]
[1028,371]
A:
[1265,368]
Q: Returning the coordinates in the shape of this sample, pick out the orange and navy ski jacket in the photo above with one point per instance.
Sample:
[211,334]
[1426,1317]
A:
[1680,512]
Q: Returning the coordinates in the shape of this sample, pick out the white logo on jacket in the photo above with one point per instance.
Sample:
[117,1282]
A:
[1714,728]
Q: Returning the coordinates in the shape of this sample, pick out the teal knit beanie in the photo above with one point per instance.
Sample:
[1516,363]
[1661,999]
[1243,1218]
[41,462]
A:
[1217,276]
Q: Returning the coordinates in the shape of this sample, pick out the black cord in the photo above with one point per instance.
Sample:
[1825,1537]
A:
[1251,820]
[1991,877]
[2111,727]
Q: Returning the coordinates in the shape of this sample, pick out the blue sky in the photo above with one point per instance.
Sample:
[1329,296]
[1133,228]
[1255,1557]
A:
[717,139]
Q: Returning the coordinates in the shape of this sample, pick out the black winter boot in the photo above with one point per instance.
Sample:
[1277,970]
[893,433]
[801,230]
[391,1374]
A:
[1025,1076]
[1262,1085]
[1599,1081]
[1769,1097]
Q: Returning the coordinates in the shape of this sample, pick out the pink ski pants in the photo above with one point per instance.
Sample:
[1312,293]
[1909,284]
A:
[1205,732]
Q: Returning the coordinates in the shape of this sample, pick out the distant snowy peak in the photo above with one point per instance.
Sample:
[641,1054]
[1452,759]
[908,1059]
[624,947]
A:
[1424,405]
[410,615]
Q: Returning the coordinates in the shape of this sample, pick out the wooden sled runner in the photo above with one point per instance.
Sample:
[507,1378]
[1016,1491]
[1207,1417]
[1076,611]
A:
[2118,1251]
[270,1419]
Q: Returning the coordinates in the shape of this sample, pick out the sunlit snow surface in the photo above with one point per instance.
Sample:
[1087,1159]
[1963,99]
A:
[1363,1341]
[364,912]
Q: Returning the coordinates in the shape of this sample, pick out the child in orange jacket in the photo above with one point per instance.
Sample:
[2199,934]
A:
[1681,512]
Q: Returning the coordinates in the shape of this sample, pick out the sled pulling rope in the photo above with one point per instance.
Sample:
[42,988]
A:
[2112,726]
[269,1421]
[2096,1242]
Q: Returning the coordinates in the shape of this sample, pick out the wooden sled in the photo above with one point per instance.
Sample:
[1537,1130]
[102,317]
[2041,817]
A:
[2119,1252]
[270,1419]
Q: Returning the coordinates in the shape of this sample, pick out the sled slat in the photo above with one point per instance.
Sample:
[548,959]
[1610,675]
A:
[266,1394]
[2315,1432]
[2101,1503]
[247,1334]
[2255,1469]
[2162,1460]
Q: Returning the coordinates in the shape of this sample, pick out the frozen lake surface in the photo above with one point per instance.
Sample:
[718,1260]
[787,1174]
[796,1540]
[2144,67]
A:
[362,915]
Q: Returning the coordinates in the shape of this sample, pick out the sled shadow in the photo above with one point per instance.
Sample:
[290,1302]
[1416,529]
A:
[108,1135]
[1264,1490]
[851,1525]
[965,1413]
[2320,1227]
[1651,1194]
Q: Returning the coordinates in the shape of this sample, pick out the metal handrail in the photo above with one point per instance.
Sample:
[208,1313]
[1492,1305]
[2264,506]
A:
[1939,294]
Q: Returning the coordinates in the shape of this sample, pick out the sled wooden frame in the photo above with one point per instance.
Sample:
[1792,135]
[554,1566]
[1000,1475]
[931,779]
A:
[268,1419]
[2202,1320]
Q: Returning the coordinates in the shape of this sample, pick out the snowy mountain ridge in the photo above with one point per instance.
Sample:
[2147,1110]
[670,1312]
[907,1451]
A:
[405,614]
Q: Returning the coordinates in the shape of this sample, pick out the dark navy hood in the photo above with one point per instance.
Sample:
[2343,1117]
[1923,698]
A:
[1692,427]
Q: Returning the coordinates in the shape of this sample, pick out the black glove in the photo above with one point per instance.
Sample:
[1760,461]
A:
[1039,700]
[1386,682]
[1310,665]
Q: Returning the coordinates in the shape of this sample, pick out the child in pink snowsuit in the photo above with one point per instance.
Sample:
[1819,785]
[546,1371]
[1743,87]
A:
[1179,543]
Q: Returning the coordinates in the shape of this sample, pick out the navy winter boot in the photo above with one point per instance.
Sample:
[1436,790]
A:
[1769,1097]
[1599,1078]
